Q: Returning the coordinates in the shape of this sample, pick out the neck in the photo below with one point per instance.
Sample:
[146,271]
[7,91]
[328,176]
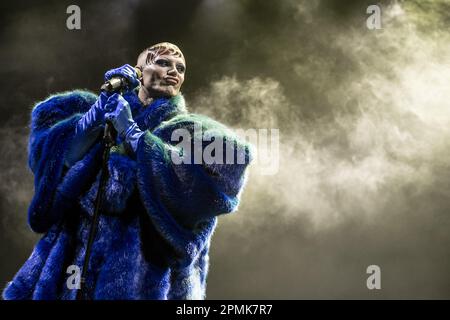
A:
[147,97]
[144,96]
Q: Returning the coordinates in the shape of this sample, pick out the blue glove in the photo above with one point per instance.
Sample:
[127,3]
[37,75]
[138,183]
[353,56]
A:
[95,117]
[126,71]
[87,130]
[122,120]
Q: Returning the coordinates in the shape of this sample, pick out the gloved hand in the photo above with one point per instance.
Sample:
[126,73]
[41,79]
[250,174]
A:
[87,130]
[122,120]
[126,71]
[95,116]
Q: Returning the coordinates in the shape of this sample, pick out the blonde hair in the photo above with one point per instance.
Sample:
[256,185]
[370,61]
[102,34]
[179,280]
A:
[159,49]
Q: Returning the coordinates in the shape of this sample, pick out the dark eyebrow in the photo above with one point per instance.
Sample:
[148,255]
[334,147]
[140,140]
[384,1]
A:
[178,64]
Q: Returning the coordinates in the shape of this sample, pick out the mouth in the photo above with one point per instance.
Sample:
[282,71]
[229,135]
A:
[171,81]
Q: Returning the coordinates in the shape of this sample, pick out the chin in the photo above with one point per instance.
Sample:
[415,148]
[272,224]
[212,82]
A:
[165,93]
[160,94]
[168,95]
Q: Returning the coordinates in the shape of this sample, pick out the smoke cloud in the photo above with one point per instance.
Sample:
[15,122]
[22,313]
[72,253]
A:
[364,158]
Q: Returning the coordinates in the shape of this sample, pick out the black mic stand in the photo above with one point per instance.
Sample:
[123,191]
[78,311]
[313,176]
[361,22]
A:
[108,141]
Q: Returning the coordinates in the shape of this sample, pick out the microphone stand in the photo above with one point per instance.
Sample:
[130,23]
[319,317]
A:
[108,141]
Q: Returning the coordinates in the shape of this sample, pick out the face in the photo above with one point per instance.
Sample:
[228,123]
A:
[163,77]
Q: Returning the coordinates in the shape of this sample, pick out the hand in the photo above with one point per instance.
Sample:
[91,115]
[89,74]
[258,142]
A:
[126,71]
[120,116]
[87,130]
[122,120]
[95,116]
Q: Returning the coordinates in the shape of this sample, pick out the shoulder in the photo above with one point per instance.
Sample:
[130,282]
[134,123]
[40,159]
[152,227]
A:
[190,120]
[195,124]
[201,127]
[60,106]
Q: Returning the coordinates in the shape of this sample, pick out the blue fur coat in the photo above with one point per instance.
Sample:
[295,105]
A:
[158,217]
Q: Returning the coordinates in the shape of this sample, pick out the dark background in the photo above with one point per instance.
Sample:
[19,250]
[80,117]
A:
[363,117]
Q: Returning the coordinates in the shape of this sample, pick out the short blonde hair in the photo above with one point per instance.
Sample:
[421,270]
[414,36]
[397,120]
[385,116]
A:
[148,55]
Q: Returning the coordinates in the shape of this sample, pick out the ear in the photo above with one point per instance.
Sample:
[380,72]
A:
[139,72]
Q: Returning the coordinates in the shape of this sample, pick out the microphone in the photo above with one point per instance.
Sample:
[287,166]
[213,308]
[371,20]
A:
[117,83]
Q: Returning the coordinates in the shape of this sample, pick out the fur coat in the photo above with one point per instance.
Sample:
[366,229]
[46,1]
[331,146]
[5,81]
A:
[157,219]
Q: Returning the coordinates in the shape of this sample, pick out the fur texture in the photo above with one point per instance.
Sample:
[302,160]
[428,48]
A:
[158,218]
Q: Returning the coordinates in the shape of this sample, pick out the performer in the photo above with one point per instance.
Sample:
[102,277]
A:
[158,216]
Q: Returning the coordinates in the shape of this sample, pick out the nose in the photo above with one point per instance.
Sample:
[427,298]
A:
[172,71]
